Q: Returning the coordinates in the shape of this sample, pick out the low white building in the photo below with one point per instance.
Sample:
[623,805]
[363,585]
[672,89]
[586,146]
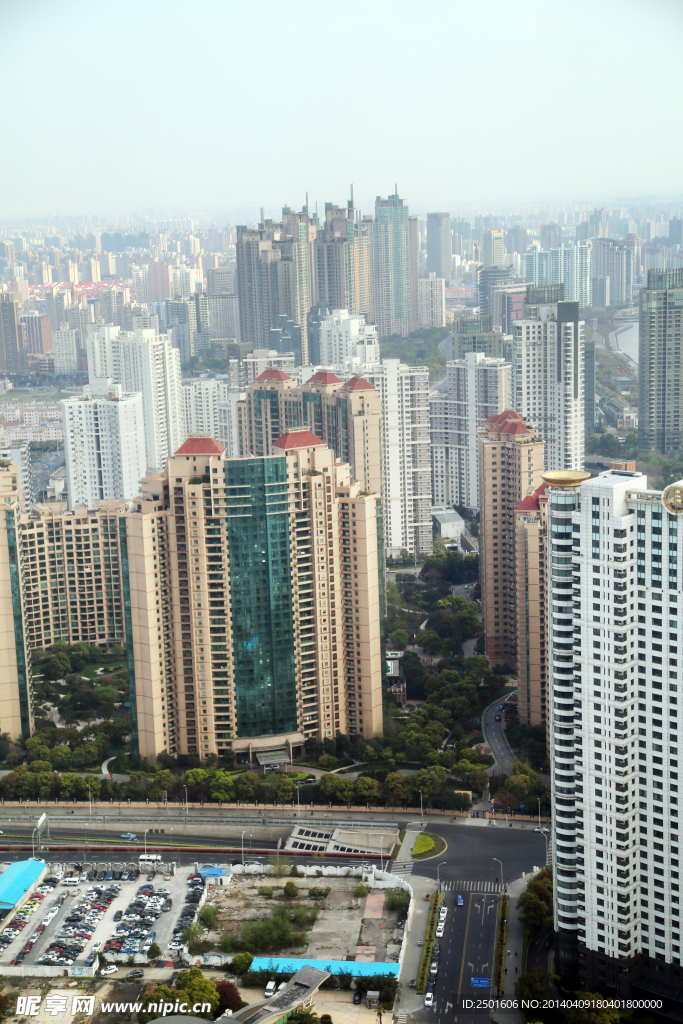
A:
[448,524]
[341,333]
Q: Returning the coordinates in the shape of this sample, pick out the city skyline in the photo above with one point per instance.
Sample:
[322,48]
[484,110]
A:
[604,41]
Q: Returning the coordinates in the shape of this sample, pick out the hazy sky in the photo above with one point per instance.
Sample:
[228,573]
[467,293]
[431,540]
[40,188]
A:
[144,105]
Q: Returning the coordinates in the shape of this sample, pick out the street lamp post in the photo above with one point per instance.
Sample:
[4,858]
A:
[146,831]
[545,833]
[438,872]
[381,853]
[420,803]
[186,803]
[502,880]
[90,800]
[243,847]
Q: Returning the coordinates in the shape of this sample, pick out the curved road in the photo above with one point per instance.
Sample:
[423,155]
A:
[494,735]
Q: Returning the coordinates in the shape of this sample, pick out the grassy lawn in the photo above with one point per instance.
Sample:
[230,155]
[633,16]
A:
[437,847]
[339,762]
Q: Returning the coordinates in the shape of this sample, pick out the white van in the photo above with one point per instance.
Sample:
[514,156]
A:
[70,881]
[270,989]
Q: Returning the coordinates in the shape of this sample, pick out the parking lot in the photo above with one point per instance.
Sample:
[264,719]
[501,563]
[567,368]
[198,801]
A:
[93,905]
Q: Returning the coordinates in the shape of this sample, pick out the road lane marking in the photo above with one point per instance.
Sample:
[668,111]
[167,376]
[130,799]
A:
[464,948]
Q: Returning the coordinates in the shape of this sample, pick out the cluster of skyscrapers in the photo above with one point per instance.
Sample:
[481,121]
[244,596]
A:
[231,527]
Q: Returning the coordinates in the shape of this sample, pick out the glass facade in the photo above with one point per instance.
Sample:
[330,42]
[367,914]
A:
[128,626]
[22,669]
[261,592]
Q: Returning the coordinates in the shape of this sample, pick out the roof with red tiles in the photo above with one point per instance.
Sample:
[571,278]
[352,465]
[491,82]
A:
[358,384]
[297,439]
[201,446]
[321,377]
[273,374]
[530,502]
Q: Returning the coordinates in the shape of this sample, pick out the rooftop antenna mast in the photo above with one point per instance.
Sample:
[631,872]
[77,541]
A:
[262,219]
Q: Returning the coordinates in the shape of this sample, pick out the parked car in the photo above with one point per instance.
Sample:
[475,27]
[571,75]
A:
[136,973]
[357,996]
[111,969]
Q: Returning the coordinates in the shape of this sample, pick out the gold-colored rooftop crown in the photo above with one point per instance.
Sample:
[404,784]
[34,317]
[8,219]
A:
[565,477]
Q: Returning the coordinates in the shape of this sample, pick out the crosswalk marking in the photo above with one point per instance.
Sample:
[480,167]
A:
[401,1017]
[471,886]
[403,869]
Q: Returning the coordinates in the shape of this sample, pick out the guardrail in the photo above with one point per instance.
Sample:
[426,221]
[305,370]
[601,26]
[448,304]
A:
[104,819]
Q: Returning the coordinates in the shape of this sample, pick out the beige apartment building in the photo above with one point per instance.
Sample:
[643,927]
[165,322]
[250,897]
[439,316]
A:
[510,466]
[247,591]
[531,555]
[347,415]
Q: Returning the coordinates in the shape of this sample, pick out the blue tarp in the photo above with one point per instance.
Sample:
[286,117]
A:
[16,879]
[358,969]
[214,872]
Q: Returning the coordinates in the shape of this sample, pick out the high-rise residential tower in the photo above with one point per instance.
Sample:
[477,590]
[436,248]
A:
[531,564]
[104,442]
[439,245]
[13,348]
[510,467]
[614,744]
[391,267]
[660,383]
[346,415]
[493,249]
[248,593]
[342,261]
[548,375]
[145,362]
[477,387]
[431,293]
[339,335]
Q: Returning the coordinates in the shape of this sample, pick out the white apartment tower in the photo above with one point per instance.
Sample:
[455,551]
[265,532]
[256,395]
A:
[616,597]
[201,400]
[104,442]
[146,362]
[65,351]
[341,333]
[406,467]
[477,387]
[548,375]
[431,294]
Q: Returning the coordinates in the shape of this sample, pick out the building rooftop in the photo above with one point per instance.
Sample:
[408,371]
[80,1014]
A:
[273,374]
[321,377]
[530,502]
[358,384]
[16,879]
[297,439]
[203,445]
[299,988]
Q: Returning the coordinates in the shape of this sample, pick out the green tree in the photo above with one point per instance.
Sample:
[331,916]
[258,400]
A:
[153,997]
[38,753]
[535,984]
[193,933]
[285,790]
[196,777]
[246,787]
[198,988]
[399,639]
[87,753]
[594,1014]
[291,892]
[209,917]
[428,640]
[430,780]
[241,962]
[39,767]
[222,787]
[5,741]
[366,790]
[59,756]
[345,790]
[399,787]
[76,786]
[154,951]
[327,760]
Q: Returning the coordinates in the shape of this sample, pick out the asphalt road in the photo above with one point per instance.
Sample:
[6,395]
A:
[495,737]
[468,945]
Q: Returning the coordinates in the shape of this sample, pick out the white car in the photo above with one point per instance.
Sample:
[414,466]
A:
[440,930]
[111,969]
[429,999]
[442,913]
[96,946]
